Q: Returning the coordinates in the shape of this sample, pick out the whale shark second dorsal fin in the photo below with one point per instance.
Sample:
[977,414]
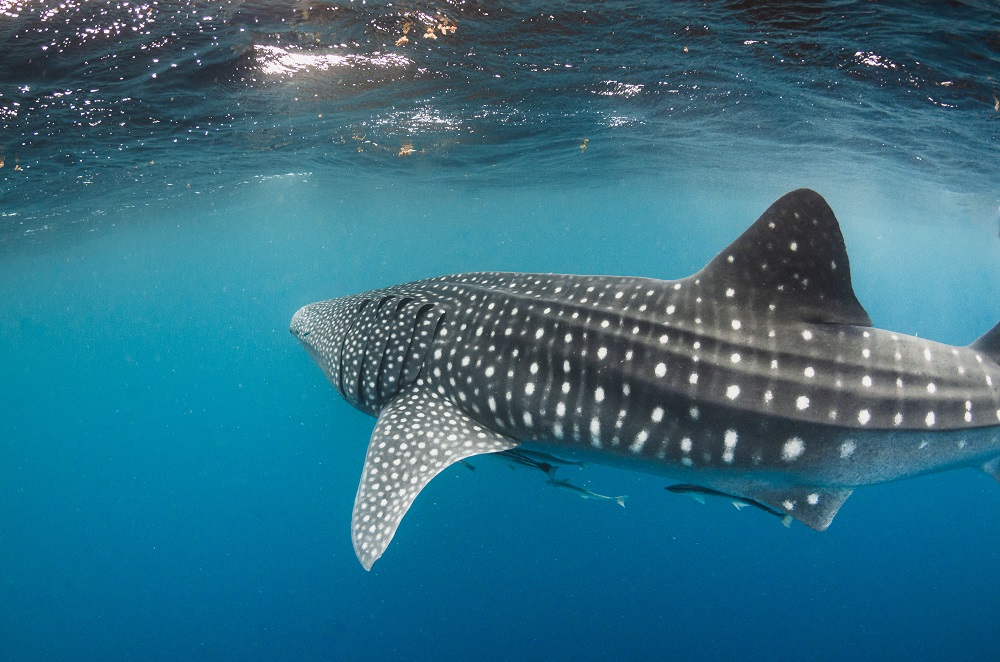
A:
[792,261]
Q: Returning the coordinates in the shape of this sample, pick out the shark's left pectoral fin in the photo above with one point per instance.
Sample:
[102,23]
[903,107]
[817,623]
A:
[813,506]
[417,436]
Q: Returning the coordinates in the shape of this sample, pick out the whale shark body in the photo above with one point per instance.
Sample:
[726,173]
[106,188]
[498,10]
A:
[760,376]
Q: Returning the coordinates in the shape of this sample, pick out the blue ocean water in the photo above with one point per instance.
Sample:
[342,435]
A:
[177,476]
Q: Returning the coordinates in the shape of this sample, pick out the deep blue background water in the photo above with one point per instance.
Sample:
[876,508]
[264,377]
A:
[177,477]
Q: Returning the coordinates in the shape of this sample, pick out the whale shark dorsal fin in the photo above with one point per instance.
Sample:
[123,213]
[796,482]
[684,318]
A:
[792,258]
[989,343]
[418,435]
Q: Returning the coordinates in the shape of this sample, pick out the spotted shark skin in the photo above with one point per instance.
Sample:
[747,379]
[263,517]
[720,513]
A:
[759,376]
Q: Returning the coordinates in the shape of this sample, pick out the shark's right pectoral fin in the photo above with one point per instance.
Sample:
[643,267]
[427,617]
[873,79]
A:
[417,436]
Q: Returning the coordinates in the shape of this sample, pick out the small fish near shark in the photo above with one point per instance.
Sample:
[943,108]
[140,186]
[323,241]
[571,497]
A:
[584,493]
[698,493]
[759,377]
[547,464]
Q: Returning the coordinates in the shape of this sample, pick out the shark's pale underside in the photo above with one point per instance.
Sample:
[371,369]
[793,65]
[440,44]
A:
[759,376]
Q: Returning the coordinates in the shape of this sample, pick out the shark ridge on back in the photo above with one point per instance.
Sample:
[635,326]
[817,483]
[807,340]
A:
[760,377]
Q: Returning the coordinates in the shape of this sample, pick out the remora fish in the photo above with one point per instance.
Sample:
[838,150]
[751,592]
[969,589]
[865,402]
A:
[539,456]
[544,462]
[698,493]
[516,458]
[759,376]
[584,493]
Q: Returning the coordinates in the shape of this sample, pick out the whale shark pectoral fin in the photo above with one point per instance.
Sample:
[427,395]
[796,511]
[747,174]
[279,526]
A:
[418,435]
[813,506]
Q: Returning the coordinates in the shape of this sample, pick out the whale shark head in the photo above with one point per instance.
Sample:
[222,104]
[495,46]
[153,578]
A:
[370,346]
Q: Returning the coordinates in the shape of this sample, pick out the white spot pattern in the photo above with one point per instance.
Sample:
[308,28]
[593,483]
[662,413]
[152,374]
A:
[792,449]
[730,440]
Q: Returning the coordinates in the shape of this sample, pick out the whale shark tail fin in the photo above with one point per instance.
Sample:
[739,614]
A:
[989,343]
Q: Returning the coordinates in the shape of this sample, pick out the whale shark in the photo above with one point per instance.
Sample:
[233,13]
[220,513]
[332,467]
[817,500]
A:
[760,376]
